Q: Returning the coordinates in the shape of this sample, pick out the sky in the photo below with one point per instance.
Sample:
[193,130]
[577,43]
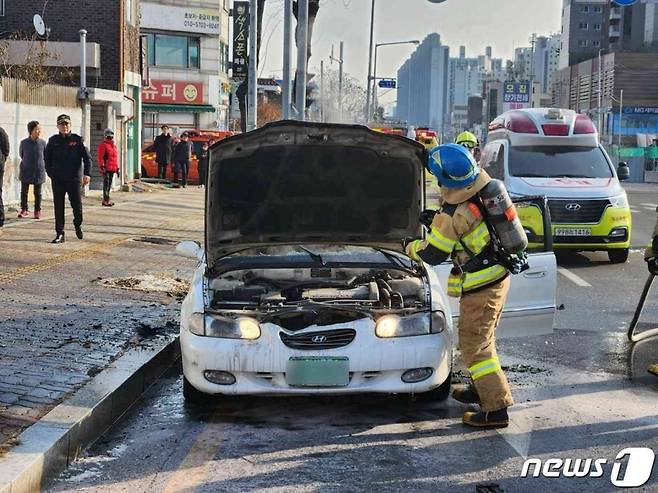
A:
[502,24]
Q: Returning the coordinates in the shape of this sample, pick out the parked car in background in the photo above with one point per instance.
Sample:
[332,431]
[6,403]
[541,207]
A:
[197,137]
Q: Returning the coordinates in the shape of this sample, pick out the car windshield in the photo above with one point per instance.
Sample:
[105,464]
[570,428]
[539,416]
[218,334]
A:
[558,162]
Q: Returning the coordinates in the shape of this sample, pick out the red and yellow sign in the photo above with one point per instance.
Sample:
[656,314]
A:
[173,92]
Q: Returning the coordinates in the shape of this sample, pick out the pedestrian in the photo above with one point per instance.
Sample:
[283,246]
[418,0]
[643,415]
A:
[32,168]
[4,155]
[651,257]
[203,163]
[163,149]
[108,162]
[459,230]
[68,165]
[182,156]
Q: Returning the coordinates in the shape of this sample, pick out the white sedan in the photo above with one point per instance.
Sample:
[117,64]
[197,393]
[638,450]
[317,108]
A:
[300,289]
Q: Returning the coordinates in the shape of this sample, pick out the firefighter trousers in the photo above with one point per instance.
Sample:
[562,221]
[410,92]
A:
[479,315]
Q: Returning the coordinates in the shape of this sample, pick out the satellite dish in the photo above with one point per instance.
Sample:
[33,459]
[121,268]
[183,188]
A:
[39,25]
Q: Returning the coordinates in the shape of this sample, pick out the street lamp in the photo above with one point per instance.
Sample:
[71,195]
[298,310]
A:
[374,76]
[372,35]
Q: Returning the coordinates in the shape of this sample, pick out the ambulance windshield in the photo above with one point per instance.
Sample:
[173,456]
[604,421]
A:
[558,162]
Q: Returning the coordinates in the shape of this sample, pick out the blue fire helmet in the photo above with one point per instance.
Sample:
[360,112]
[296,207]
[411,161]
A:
[453,165]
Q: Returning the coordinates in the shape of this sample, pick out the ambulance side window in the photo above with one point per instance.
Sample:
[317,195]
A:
[493,160]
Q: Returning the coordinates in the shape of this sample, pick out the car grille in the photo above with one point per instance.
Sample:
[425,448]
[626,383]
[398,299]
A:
[588,211]
[310,341]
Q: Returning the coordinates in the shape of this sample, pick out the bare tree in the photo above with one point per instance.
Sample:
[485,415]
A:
[353,100]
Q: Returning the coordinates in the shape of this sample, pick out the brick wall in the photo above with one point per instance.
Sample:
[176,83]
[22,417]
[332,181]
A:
[105,25]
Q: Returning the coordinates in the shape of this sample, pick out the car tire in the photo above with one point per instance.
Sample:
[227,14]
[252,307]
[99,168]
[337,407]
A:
[618,256]
[192,395]
[438,394]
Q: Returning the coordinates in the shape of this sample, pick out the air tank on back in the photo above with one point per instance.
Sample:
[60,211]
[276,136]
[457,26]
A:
[503,217]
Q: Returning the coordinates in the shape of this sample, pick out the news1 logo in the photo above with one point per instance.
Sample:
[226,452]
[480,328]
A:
[638,462]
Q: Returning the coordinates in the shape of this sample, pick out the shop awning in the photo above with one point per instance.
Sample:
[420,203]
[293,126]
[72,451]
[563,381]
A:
[179,108]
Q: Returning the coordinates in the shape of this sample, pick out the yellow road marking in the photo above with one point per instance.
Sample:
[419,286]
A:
[195,468]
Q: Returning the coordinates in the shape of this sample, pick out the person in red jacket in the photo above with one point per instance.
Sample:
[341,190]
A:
[108,162]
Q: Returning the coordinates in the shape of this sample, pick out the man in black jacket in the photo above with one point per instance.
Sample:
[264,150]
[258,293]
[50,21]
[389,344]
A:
[4,154]
[163,148]
[68,165]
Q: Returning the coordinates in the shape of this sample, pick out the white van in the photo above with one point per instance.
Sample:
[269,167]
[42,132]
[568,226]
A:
[556,153]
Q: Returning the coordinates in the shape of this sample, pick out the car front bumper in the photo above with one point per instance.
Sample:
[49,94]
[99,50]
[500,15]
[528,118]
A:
[259,367]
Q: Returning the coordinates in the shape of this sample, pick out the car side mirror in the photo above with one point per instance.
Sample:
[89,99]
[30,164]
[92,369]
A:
[190,249]
[623,171]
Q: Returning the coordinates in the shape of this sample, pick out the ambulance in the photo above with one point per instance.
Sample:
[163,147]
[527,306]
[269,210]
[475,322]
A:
[556,153]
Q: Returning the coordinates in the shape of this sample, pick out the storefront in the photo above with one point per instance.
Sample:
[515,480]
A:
[177,104]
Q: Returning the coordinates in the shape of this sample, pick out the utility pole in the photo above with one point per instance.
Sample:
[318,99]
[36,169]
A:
[82,95]
[600,98]
[322,91]
[252,94]
[302,54]
[372,40]
[621,107]
[340,78]
[286,98]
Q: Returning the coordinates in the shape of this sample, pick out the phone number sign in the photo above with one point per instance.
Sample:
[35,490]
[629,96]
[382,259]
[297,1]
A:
[516,92]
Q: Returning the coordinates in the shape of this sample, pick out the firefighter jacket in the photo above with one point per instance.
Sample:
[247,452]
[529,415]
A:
[460,233]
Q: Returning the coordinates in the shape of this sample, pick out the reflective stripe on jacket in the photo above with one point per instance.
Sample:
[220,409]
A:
[457,232]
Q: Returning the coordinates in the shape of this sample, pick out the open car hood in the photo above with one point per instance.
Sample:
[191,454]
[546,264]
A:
[297,182]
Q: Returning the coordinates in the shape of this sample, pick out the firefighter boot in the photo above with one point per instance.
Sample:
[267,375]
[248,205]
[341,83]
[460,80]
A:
[466,395]
[483,419]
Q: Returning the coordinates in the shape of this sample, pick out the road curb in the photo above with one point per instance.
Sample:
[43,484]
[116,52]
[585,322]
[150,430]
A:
[49,446]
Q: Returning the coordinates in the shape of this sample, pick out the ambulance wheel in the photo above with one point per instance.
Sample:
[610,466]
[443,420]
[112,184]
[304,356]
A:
[618,256]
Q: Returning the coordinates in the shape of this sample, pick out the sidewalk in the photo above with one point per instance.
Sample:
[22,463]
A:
[60,324]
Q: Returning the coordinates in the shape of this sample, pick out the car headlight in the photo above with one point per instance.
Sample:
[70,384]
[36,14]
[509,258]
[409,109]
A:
[232,328]
[228,328]
[412,325]
[196,324]
[620,201]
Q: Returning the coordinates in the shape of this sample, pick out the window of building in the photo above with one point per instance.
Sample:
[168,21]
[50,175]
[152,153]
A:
[166,50]
[583,43]
[596,44]
[585,9]
[583,25]
[2,8]
[598,9]
[223,58]
[597,27]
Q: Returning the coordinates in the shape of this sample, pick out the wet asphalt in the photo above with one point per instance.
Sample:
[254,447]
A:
[582,392]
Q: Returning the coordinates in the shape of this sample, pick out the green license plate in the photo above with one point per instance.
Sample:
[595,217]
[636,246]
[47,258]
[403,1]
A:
[318,371]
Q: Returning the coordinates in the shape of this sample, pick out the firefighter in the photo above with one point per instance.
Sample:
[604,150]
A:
[458,231]
[468,140]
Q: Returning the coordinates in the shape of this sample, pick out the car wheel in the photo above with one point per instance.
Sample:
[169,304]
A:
[440,393]
[618,256]
[144,173]
[192,395]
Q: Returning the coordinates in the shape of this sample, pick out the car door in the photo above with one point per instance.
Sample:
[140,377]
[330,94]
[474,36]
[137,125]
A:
[530,306]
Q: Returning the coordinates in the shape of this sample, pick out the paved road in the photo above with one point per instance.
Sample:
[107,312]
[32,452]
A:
[581,392]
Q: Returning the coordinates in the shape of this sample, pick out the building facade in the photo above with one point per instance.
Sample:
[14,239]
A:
[584,30]
[113,84]
[187,55]
[633,73]
[423,85]
[538,62]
